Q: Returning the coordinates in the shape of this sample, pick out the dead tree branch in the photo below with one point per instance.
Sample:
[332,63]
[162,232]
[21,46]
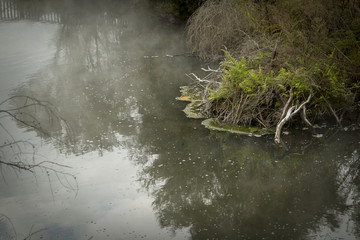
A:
[334,113]
[291,94]
[304,117]
[289,114]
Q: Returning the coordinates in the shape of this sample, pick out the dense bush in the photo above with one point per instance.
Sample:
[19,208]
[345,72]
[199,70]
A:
[281,51]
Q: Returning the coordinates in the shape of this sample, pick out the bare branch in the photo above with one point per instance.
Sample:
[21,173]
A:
[211,70]
[290,113]
[197,78]
[304,116]
[334,113]
[287,103]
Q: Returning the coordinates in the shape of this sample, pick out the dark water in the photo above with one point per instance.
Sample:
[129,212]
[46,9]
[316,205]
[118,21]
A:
[143,170]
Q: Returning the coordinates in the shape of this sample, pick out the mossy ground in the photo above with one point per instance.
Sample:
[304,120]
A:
[195,110]
[194,96]
[214,124]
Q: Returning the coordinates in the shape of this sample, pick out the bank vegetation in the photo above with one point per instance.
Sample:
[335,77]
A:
[282,62]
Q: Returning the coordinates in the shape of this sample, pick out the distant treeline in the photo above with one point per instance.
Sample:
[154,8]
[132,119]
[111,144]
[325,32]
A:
[180,9]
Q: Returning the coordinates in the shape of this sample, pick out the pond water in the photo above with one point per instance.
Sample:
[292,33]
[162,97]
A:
[120,160]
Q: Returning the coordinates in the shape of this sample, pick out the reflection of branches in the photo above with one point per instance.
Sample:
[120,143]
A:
[27,111]
[29,236]
[9,232]
[20,114]
[249,184]
[349,171]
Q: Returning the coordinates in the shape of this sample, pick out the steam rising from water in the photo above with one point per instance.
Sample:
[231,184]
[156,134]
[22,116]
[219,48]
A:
[141,166]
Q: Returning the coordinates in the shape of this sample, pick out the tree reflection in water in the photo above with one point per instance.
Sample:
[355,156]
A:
[99,79]
[221,186]
[248,188]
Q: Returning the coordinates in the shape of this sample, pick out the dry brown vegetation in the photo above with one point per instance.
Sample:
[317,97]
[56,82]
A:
[218,25]
[221,25]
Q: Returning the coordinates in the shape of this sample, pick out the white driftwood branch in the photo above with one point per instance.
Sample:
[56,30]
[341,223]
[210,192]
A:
[193,76]
[287,103]
[289,114]
[306,120]
[211,70]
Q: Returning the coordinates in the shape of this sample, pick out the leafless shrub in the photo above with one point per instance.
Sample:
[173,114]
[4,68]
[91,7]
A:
[215,25]
[220,25]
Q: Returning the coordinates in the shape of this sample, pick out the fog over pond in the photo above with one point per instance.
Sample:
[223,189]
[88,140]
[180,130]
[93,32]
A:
[142,169]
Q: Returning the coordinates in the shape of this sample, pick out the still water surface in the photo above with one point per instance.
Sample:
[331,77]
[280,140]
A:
[143,170]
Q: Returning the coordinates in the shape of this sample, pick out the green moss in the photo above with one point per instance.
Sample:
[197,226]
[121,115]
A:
[193,110]
[194,96]
[214,124]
